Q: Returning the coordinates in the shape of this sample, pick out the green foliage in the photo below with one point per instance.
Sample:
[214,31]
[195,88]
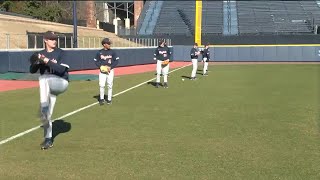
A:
[5,5]
[44,10]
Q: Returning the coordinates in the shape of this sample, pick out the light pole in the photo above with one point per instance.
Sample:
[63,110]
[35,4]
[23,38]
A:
[75,26]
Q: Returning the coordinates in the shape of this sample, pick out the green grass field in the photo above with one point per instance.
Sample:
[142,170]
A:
[240,122]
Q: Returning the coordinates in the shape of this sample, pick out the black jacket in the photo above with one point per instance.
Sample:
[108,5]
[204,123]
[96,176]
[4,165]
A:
[56,64]
[106,57]
[193,54]
[206,54]
[162,53]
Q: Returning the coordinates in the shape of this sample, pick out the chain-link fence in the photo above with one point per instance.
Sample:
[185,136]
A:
[29,41]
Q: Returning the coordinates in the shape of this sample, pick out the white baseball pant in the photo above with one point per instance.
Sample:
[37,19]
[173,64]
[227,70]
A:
[164,70]
[103,78]
[50,87]
[205,65]
[194,67]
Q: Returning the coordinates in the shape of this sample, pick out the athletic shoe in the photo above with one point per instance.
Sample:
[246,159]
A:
[165,85]
[101,102]
[109,102]
[47,144]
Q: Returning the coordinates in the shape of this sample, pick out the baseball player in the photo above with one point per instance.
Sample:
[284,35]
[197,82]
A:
[165,44]
[205,59]
[194,53]
[106,59]
[162,56]
[53,80]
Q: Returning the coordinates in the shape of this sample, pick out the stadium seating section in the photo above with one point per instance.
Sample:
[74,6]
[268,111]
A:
[254,17]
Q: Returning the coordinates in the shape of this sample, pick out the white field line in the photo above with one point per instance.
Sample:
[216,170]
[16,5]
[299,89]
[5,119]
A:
[80,109]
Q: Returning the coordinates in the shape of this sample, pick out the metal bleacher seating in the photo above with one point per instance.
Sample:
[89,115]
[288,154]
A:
[276,17]
[253,17]
[212,17]
[176,17]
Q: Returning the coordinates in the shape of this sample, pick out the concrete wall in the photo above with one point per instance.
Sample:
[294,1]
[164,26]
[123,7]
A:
[255,53]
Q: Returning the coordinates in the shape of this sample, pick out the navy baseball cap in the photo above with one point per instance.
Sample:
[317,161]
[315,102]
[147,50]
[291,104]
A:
[161,41]
[106,41]
[50,35]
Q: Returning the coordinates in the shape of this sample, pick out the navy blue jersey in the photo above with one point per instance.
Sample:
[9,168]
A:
[206,54]
[193,52]
[56,64]
[106,57]
[162,53]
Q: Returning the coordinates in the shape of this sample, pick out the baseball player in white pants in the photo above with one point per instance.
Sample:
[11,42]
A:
[205,59]
[106,59]
[194,53]
[53,80]
[162,56]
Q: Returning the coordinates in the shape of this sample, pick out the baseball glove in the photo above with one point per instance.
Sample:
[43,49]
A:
[105,69]
[35,60]
[166,62]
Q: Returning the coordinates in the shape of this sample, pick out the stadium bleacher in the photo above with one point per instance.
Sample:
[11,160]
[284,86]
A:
[170,20]
[254,17]
[230,22]
[276,17]
[212,17]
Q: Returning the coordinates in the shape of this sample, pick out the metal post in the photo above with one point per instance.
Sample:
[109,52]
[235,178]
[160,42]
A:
[35,42]
[58,42]
[27,42]
[71,39]
[65,41]
[75,26]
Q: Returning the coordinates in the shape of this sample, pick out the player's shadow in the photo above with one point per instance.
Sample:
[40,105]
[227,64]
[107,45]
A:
[152,83]
[188,77]
[97,97]
[59,127]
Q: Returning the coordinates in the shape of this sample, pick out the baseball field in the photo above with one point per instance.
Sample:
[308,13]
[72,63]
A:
[255,121]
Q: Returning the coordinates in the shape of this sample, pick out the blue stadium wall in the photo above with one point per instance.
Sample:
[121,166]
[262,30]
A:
[303,53]
[82,59]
